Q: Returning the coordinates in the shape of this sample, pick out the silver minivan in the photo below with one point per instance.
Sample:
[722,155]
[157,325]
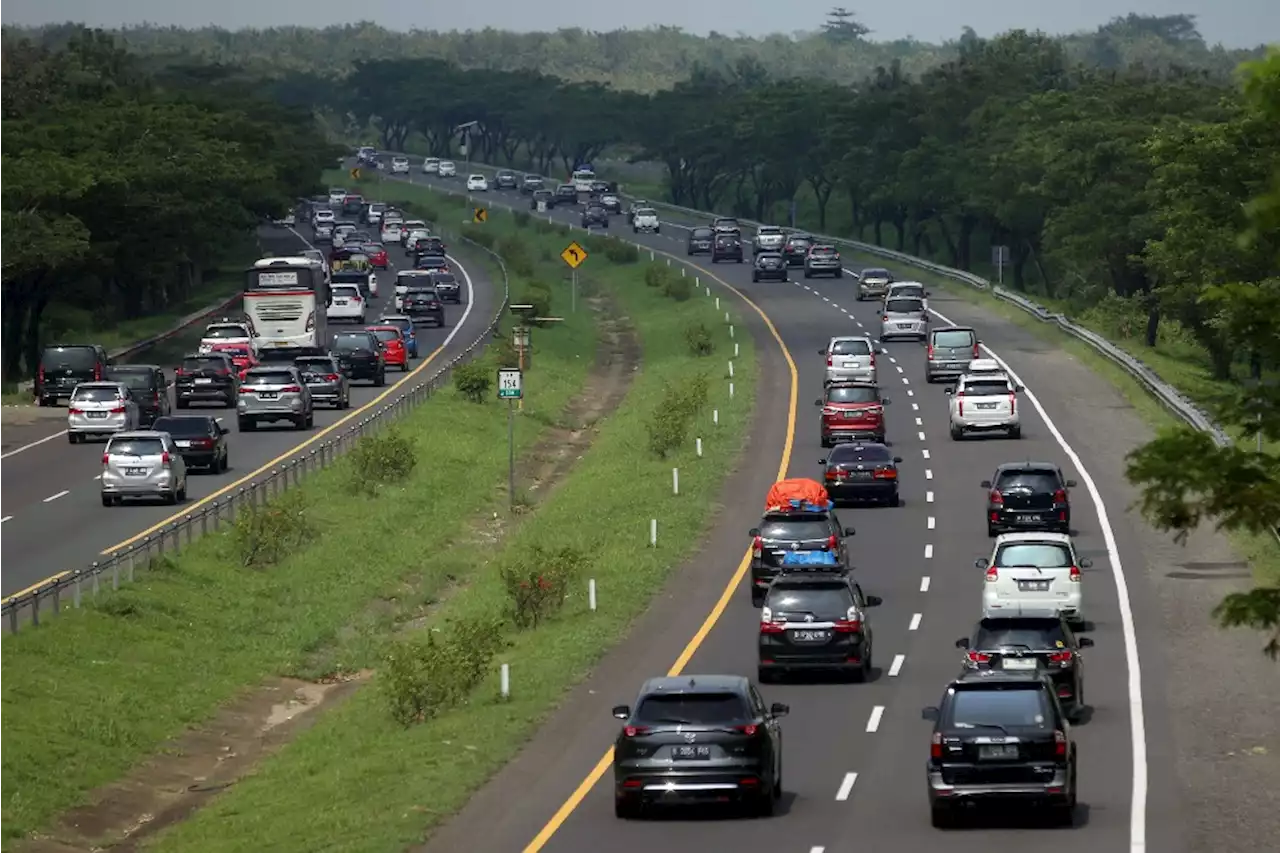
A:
[904,318]
[100,408]
[850,358]
[143,464]
[274,394]
[950,351]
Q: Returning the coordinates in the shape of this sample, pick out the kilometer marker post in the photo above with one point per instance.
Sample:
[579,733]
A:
[511,389]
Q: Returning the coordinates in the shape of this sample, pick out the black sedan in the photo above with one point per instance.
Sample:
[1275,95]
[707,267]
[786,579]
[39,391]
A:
[700,240]
[423,305]
[201,440]
[769,265]
[797,248]
[726,247]
[862,471]
[595,216]
[566,194]
[505,180]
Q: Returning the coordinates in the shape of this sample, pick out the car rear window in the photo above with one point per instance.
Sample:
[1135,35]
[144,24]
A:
[857,347]
[904,306]
[795,528]
[444,278]
[135,379]
[349,343]
[313,363]
[695,709]
[953,338]
[387,334]
[701,233]
[877,274]
[135,447]
[845,453]
[182,426]
[203,363]
[824,252]
[68,358]
[94,395]
[419,295]
[1011,633]
[226,332]
[1034,481]
[824,602]
[274,377]
[986,388]
[1044,555]
[855,394]
[347,290]
[1020,706]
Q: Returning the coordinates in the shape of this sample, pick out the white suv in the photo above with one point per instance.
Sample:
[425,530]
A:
[431,166]
[985,402]
[477,183]
[399,165]
[1031,573]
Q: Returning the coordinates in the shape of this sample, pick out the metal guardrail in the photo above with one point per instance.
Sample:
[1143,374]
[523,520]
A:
[70,588]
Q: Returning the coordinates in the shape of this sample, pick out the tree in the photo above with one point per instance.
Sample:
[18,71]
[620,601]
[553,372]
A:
[843,27]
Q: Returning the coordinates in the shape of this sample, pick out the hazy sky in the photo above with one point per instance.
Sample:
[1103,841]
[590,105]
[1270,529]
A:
[1235,23]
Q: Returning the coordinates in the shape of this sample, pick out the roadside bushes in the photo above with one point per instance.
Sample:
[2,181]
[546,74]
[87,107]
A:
[538,582]
[479,235]
[516,254]
[671,283]
[522,218]
[617,251]
[699,339]
[378,460]
[473,380]
[668,426]
[425,674]
[538,295]
[264,535]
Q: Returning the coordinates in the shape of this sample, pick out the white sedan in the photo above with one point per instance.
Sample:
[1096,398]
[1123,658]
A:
[477,183]
[399,165]
[1031,573]
[392,231]
[447,169]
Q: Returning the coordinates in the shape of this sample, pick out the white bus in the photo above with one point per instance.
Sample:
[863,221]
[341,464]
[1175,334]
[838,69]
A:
[582,179]
[286,300]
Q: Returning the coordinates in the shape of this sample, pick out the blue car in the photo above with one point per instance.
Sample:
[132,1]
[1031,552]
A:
[405,324]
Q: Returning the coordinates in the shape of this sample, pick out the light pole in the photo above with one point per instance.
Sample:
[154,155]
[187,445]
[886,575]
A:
[465,130]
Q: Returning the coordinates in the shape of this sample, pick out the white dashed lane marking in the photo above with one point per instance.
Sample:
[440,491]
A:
[873,724]
[928,496]
[932,521]
[921,434]
[928,473]
[915,622]
[924,584]
[928,551]
[846,786]
[60,494]
[896,666]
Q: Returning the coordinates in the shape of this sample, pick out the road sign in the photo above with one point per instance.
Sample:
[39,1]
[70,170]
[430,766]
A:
[479,215]
[510,384]
[999,256]
[355,173]
[574,255]
[542,205]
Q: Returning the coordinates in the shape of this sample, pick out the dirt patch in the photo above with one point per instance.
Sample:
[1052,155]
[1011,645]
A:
[193,768]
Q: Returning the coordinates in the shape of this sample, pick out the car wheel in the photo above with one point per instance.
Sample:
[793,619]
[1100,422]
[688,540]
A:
[765,676]
[992,532]
[245,424]
[625,809]
[72,438]
[956,433]
[777,781]
[940,816]
[300,422]
[181,494]
[764,804]
[380,380]
[107,501]
[181,403]
[171,498]
[311,419]
[896,500]
[808,274]
[757,597]
[226,463]
[1015,433]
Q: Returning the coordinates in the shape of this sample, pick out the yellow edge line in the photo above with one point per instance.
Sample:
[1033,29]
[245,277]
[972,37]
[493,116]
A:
[246,478]
[579,794]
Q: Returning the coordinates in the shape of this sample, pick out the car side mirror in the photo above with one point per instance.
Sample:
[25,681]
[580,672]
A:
[928,293]
[622,712]
[1086,642]
[986,484]
[897,460]
[777,709]
[822,352]
[980,563]
[885,402]
[849,531]
[822,461]
[1086,563]
[948,391]
[223,430]
[884,352]
[874,601]
[1018,389]
[930,714]
[1071,484]
[817,402]
[753,532]
[962,643]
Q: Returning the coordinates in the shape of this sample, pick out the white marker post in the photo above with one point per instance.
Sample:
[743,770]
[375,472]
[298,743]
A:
[731,369]
[715,417]
[726,316]
[504,679]
[591,594]
[730,390]
[717,303]
[697,443]
[735,350]
[683,273]
[653,533]
[731,331]
[675,481]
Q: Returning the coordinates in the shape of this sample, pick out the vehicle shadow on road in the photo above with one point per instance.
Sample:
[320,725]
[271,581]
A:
[986,819]
[714,812]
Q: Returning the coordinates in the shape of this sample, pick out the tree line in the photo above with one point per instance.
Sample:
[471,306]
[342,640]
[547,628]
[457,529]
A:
[124,187]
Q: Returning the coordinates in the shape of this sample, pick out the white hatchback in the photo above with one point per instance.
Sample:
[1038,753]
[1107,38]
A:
[477,183]
[399,165]
[447,169]
[392,231]
[1033,573]
[431,166]
[347,304]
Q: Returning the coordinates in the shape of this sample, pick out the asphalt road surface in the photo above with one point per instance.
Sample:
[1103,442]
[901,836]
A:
[53,517]
[854,754]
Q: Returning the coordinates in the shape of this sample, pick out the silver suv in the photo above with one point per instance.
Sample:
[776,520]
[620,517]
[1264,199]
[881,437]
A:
[769,238]
[904,318]
[143,464]
[950,351]
[823,260]
[850,358]
[873,283]
[274,394]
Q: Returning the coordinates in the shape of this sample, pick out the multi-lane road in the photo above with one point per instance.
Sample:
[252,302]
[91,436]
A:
[854,754]
[53,518]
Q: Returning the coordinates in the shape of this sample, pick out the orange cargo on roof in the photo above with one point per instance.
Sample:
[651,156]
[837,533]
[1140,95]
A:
[784,492]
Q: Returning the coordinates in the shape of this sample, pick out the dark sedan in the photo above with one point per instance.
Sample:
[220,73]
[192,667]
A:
[769,265]
[424,305]
[862,471]
[201,440]
[700,240]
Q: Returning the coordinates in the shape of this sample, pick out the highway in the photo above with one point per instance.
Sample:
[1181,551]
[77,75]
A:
[53,518]
[854,754]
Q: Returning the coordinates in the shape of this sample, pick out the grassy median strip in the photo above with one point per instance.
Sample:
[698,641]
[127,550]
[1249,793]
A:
[93,692]
[369,777]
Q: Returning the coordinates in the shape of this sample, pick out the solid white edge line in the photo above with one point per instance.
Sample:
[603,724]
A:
[846,787]
[6,518]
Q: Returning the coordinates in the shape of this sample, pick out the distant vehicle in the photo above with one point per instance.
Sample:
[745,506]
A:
[1034,572]
[205,377]
[862,472]
[726,247]
[100,409]
[851,411]
[142,464]
[700,240]
[201,440]
[64,366]
[325,380]
[646,219]
[359,355]
[477,183]
[873,283]
[769,238]
[823,260]
[904,318]
[274,393]
[769,265]
[582,180]
[399,165]
[431,166]
[285,300]
[1028,496]
[815,622]
[149,387]
[984,402]
[850,358]
[447,169]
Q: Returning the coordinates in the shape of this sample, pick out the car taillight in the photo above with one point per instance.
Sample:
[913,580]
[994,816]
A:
[1060,496]
[749,730]
[833,542]
[886,474]
[757,547]
[117,410]
[249,390]
[1060,657]
[935,747]
[846,626]
[960,402]
[1060,744]
[106,458]
[357,298]
[632,731]
[97,372]
[204,442]
[771,627]
[165,459]
[976,353]
[992,575]
[180,372]
[830,362]
[928,353]
[978,657]
[40,375]
[74,411]
[291,389]
[331,377]
[1013,403]
[996,498]
[831,475]
[156,398]
[1075,574]
[885,318]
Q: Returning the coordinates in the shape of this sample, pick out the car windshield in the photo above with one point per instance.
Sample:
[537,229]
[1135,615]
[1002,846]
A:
[346,291]
[226,332]
[178,427]
[94,395]
[852,453]
[68,358]
[135,379]
[795,529]
[1024,707]
[351,343]
[695,709]
[1037,482]
[1044,555]
[274,377]
[135,447]
[824,601]
[646,211]
[854,394]
[701,233]
[197,363]
[421,295]
[986,388]
[799,241]
[952,338]
[1034,634]
[854,347]
[904,306]
[387,334]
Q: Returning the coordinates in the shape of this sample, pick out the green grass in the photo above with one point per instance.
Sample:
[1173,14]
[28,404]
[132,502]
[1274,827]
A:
[93,692]
[359,777]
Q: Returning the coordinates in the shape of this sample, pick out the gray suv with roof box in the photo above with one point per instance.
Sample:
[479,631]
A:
[949,352]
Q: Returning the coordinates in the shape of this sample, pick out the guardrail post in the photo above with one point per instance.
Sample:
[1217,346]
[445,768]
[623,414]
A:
[190,528]
[35,609]
[57,598]
[115,574]
[75,589]
[13,620]
[97,581]
[128,567]
[204,518]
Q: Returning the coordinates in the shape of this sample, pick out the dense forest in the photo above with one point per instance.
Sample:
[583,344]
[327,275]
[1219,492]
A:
[122,187]
[840,51]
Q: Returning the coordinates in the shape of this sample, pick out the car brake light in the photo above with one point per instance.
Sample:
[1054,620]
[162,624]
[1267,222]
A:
[180,372]
[960,402]
[75,411]
[290,389]
[165,459]
[873,358]
[1060,657]
[357,298]
[117,410]
[978,657]
[1075,574]
[976,353]
[992,575]
[885,318]
[886,474]
[97,372]
[244,390]
[106,458]
[928,353]
[830,410]
[757,547]
[331,377]
[935,747]
[996,498]
[1060,496]
[1060,744]
[749,730]
[833,542]
[846,626]
[1013,403]
[830,362]
[40,375]
[831,475]
[632,731]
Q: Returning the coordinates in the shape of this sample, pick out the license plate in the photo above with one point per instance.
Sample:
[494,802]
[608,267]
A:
[183,443]
[267,395]
[850,416]
[135,472]
[858,475]
[904,325]
[984,406]
[340,302]
[695,753]
[96,414]
[850,364]
[1033,586]
[998,751]
[204,381]
[810,636]
[1026,519]
[1018,663]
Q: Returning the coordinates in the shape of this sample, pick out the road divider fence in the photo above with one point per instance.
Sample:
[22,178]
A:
[71,588]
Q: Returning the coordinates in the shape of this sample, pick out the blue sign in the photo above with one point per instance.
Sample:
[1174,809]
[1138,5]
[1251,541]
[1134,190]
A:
[809,558]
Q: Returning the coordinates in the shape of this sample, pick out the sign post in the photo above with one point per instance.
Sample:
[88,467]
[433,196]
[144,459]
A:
[511,389]
[574,255]
[520,337]
[1000,260]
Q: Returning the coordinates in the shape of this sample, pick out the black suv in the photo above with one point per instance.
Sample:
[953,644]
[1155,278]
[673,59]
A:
[795,537]
[547,197]
[360,356]
[1028,496]
[1044,644]
[429,247]
[1002,738]
[769,265]
[505,180]
[595,216]
[201,440]
[726,247]
[447,287]
[862,471]
[422,305]
[64,366]
[815,621]
[530,183]
[149,387]
[566,194]
[698,738]
[204,378]
[700,240]
[796,249]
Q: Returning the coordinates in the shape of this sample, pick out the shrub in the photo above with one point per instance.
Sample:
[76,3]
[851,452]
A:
[479,235]
[428,214]
[538,581]
[678,287]
[502,352]
[546,255]
[380,459]
[543,226]
[666,430]
[691,396]
[265,535]
[622,253]
[424,675]
[473,381]
[522,218]
[656,275]
[538,295]
[516,254]
[699,339]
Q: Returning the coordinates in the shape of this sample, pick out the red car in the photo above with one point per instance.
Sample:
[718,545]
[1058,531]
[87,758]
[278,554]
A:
[392,338]
[851,411]
[377,255]
[241,357]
